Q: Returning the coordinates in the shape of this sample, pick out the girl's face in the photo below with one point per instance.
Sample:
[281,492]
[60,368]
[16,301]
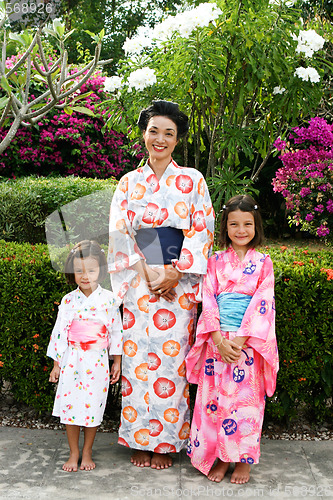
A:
[241,229]
[86,273]
[160,138]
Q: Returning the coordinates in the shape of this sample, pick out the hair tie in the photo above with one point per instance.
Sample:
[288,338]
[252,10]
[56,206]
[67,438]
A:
[255,207]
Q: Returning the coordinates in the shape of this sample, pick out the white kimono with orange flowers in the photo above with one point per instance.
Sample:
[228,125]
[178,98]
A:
[158,334]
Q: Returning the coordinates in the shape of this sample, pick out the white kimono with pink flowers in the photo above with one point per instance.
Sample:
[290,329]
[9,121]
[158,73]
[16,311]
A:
[230,401]
[157,334]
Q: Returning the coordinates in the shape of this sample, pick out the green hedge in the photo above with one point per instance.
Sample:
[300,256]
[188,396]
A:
[26,202]
[31,289]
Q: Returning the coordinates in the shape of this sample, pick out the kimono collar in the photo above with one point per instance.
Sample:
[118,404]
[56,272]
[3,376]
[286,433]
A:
[80,295]
[171,169]
[250,254]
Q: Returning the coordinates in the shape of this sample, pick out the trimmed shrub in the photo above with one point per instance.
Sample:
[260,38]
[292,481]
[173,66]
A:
[303,291]
[30,290]
[26,202]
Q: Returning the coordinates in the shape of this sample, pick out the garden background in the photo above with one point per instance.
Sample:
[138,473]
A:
[256,81]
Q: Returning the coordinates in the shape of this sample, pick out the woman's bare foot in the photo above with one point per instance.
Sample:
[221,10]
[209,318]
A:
[87,462]
[218,472]
[71,464]
[141,458]
[161,461]
[241,473]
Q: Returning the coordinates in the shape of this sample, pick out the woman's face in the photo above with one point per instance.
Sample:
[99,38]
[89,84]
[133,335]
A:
[160,138]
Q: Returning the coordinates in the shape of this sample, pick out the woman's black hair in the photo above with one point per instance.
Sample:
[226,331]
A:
[83,249]
[170,110]
[245,203]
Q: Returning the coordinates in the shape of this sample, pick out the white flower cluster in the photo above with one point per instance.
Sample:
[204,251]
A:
[309,42]
[307,74]
[138,79]
[183,24]
[141,78]
[112,83]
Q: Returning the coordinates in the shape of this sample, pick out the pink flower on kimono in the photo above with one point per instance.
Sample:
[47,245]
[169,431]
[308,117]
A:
[128,319]
[164,388]
[155,427]
[153,183]
[130,215]
[165,448]
[121,261]
[124,205]
[184,183]
[199,222]
[164,319]
[150,213]
[126,387]
[164,215]
[185,260]
[153,361]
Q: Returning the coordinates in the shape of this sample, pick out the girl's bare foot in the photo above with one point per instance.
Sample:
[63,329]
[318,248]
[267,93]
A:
[218,472]
[161,461]
[141,458]
[71,464]
[87,462]
[241,473]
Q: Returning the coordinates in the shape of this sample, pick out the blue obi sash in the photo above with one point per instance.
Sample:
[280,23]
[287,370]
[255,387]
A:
[232,307]
[160,245]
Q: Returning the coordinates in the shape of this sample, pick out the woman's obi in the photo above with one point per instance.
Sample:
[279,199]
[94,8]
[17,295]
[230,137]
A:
[160,245]
[88,335]
[232,307]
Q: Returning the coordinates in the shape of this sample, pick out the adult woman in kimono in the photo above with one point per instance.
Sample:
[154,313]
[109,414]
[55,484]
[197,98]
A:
[161,232]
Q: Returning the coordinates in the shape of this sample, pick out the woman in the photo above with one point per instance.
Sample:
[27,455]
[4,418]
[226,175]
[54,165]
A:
[161,232]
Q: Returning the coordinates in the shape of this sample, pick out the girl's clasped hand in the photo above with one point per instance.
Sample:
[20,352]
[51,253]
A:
[229,350]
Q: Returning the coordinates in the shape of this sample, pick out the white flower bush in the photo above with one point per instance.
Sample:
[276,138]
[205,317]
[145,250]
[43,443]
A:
[182,25]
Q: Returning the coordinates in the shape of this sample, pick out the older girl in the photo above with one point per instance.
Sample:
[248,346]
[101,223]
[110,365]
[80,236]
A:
[234,359]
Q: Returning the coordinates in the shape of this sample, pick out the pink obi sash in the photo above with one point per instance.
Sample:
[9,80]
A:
[88,334]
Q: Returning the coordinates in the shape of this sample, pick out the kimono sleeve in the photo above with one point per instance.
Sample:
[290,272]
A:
[115,330]
[123,251]
[209,321]
[58,340]
[198,240]
[259,325]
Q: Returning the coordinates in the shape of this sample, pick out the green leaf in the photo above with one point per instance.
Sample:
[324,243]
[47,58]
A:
[83,109]
[5,84]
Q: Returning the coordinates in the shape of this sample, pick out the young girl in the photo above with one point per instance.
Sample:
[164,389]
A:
[88,327]
[234,359]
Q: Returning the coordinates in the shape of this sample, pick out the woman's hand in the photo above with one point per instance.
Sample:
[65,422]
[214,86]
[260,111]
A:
[165,283]
[54,375]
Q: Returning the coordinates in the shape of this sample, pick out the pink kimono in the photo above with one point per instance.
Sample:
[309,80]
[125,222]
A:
[230,401]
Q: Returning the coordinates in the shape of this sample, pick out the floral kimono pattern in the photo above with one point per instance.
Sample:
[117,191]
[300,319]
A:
[157,334]
[84,358]
[230,401]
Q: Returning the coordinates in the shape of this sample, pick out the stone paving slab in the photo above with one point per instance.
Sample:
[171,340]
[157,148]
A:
[31,461]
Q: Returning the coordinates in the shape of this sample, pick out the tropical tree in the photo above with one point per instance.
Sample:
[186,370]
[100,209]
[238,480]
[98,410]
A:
[245,71]
[31,69]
